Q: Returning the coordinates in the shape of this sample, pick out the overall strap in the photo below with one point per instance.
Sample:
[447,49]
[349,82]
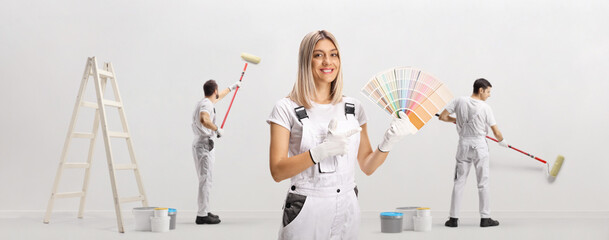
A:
[477,112]
[301,113]
[349,109]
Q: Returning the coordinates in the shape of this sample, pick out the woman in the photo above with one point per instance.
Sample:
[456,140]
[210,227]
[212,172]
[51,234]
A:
[317,136]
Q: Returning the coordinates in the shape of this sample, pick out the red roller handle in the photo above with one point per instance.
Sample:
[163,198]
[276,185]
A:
[523,152]
[510,146]
[231,101]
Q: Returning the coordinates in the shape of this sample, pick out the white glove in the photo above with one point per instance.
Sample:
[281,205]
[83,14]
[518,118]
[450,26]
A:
[503,143]
[219,132]
[399,128]
[235,85]
[335,143]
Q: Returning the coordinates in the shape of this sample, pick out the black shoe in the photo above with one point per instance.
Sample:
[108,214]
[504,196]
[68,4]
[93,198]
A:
[213,215]
[488,222]
[207,220]
[452,222]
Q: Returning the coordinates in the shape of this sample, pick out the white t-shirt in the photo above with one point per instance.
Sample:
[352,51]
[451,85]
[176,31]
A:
[474,117]
[284,115]
[204,105]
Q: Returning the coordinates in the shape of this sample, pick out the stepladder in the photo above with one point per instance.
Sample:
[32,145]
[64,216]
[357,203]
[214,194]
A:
[100,78]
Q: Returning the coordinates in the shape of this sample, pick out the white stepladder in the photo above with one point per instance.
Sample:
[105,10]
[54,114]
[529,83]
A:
[100,78]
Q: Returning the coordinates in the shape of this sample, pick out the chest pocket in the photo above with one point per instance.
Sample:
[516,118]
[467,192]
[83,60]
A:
[313,135]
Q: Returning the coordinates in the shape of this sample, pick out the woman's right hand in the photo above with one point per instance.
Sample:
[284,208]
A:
[334,144]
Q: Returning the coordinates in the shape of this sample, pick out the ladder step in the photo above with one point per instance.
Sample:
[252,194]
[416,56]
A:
[69,194]
[88,104]
[76,165]
[106,102]
[131,199]
[104,73]
[118,134]
[125,166]
[82,135]
[113,103]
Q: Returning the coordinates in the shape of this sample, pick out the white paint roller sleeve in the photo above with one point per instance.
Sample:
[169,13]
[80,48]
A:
[250,58]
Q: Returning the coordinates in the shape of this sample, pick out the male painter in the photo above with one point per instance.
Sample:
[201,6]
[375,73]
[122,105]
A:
[473,118]
[205,128]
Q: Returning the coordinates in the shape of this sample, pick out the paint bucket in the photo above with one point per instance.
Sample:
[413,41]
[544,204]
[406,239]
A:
[407,220]
[160,224]
[142,217]
[422,222]
[172,214]
[391,222]
[161,212]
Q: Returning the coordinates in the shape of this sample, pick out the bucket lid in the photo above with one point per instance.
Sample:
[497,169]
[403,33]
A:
[407,208]
[161,208]
[172,210]
[143,209]
[392,214]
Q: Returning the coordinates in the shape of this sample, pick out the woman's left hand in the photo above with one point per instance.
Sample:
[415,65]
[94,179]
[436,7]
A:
[399,128]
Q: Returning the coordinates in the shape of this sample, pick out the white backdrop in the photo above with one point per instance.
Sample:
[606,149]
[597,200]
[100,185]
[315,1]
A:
[547,60]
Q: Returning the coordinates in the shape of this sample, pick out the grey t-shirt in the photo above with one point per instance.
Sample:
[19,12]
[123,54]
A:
[205,105]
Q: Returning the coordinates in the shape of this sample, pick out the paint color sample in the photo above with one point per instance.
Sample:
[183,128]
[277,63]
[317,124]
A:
[418,94]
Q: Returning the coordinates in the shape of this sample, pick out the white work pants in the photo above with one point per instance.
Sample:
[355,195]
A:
[204,156]
[471,151]
[322,214]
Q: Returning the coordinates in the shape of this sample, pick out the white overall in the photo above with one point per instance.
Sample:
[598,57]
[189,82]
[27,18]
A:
[203,154]
[322,201]
[472,149]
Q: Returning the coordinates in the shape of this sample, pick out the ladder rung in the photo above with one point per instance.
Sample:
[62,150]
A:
[125,166]
[89,104]
[118,134]
[131,199]
[104,73]
[82,135]
[113,103]
[69,194]
[76,165]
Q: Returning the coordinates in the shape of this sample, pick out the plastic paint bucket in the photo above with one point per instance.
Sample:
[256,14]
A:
[160,224]
[407,220]
[142,218]
[391,222]
[172,214]
[161,212]
[422,224]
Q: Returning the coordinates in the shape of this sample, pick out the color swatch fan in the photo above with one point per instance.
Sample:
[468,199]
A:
[408,89]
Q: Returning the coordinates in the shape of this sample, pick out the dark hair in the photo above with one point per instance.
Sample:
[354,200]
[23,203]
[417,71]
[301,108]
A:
[210,87]
[481,83]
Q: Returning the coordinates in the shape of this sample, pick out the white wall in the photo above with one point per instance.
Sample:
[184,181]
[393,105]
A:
[547,60]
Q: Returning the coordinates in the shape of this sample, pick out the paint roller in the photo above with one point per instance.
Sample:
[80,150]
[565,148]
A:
[555,168]
[248,58]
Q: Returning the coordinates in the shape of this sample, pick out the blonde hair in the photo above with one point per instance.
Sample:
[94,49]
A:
[304,88]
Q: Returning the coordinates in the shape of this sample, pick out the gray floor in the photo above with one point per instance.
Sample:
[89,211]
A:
[102,225]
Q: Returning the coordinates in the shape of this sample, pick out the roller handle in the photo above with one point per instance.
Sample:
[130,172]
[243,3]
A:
[510,146]
[234,94]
